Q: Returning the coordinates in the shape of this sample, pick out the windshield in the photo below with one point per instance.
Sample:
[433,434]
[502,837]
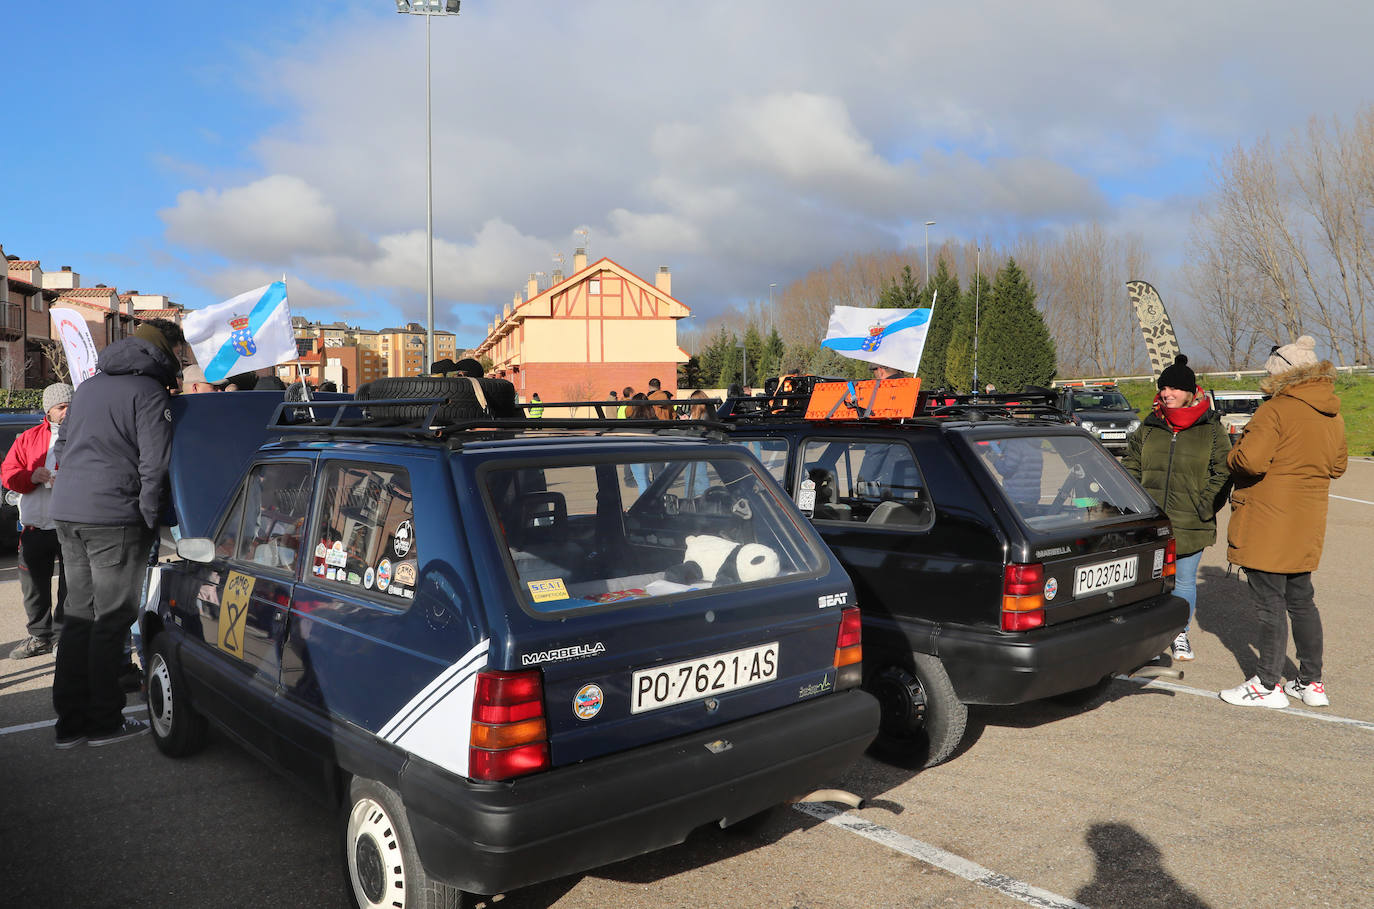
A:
[1100,400]
[589,535]
[1061,481]
[1237,405]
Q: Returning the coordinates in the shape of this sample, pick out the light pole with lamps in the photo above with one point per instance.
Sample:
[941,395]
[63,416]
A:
[428,9]
[929,225]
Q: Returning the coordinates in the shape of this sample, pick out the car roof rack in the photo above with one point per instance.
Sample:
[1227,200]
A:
[794,403]
[370,418]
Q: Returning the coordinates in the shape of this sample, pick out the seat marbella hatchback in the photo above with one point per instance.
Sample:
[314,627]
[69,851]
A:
[510,649]
[1001,554]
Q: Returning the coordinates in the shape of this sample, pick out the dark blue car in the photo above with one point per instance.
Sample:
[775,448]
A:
[509,653]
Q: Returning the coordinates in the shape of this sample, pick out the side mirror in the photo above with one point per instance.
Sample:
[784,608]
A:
[196,549]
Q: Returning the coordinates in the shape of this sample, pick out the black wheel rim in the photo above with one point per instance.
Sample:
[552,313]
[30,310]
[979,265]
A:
[371,873]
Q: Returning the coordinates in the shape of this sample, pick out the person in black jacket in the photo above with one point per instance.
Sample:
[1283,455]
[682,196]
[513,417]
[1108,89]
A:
[114,451]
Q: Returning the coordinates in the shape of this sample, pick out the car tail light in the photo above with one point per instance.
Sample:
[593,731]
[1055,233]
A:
[849,651]
[1170,558]
[509,736]
[1023,597]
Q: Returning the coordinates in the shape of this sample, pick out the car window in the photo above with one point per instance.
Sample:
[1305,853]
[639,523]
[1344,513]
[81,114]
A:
[772,453]
[583,536]
[226,541]
[365,540]
[1061,481]
[1103,400]
[276,502]
[866,482]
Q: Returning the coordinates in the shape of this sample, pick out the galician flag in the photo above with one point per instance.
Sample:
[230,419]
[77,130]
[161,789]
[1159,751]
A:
[889,337]
[249,332]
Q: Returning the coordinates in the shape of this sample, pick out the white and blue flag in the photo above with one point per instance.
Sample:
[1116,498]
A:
[889,337]
[249,332]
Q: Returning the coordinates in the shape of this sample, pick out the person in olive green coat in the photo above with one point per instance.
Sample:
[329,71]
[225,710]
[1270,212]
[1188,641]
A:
[1179,455]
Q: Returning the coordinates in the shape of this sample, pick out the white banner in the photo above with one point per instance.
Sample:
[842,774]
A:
[71,329]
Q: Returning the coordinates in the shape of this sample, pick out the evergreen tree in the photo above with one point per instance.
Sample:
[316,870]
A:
[1015,347]
[901,294]
[717,359]
[945,289]
[753,346]
[773,351]
[689,374]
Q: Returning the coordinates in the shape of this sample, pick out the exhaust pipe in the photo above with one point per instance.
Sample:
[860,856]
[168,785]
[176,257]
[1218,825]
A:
[838,796]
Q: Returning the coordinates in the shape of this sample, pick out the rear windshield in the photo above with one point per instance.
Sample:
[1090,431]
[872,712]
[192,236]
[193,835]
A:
[1237,405]
[1061,481]
[1100,400]
[591,535]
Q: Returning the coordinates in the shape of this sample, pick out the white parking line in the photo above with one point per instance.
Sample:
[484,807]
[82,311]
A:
[1288,711]
[47,724]
[939,858]
[1348,499]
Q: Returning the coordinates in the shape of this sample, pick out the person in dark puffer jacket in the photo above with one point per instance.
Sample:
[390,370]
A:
[106,501]
[1179,455]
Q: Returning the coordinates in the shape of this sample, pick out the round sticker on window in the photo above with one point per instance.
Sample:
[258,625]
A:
[587,702]
[384,574]
[368,577]
[1051,588]
[402,540]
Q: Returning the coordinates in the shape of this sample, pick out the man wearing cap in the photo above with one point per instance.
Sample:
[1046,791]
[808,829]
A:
[113,451]
[193,381]
[29,469]
[1293,447]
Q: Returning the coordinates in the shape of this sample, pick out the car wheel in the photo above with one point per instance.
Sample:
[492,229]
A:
[383,868]
[178,730]
[923,720]
[1091,696]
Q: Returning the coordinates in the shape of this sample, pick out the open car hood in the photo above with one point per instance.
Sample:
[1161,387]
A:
[214,436]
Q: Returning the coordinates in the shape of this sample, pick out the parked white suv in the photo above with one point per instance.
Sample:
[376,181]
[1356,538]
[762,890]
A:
[1236,408]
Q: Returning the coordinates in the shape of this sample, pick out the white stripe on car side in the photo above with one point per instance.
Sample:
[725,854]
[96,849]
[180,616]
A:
[436,723]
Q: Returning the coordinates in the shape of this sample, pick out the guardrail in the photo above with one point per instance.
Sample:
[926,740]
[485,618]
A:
[1222,374]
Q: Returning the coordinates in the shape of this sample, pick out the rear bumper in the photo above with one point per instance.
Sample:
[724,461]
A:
[491,838]
[987,667]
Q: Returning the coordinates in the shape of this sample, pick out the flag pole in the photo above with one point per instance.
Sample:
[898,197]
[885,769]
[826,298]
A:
[300,370]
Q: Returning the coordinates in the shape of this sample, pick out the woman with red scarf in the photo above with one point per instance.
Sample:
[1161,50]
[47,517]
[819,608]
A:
[1179,455]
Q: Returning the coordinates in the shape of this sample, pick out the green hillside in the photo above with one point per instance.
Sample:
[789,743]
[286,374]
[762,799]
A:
[1356,394]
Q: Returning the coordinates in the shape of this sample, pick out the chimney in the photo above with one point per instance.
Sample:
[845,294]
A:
[517,299]
[557,277]
[66,279]
[664,280]
[579,259]
[532,288]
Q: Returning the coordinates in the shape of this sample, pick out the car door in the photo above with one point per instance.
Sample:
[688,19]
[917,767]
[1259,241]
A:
[233,651]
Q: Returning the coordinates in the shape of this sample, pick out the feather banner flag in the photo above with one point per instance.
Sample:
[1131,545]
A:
[249,332]
[888,337]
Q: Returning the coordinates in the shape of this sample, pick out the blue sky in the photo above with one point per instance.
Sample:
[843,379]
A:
[199,150]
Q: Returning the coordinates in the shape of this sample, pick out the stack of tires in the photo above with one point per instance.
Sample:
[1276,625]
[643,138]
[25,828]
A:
[460,398]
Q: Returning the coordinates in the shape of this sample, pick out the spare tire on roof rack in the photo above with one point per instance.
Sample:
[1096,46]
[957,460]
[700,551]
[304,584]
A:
[462,400]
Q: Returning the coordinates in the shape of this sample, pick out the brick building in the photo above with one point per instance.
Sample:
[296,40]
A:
[601,328]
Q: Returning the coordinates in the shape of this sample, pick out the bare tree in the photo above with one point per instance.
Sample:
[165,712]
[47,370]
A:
[1225,320]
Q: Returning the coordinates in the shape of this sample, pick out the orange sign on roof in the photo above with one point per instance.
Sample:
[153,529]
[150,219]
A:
[892,398]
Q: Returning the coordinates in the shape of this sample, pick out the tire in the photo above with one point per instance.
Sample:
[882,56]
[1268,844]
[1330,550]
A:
[381,866]
[460,400]
[1092,696]
[923,720]
[178,730]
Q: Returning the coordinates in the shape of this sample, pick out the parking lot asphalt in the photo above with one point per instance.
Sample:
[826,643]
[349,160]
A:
[1163,796]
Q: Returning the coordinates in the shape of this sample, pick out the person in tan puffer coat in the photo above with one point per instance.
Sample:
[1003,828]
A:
[1283,465]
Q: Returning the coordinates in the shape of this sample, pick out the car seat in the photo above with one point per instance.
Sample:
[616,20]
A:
[828,507]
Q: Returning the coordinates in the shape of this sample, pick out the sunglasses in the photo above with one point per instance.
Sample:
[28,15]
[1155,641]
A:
[1274,352]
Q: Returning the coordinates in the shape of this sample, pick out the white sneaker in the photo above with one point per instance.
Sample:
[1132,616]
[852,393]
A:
[1313,694]
[1183,651]
[1254,694]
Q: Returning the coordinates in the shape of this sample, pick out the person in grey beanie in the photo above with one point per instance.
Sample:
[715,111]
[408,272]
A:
[29,469]
[114,451]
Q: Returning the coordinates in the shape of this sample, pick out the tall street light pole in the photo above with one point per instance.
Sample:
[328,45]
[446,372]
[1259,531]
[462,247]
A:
[929,225]
[428,9]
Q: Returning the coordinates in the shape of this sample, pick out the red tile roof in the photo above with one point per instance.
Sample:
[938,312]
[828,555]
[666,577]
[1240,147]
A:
[24,265]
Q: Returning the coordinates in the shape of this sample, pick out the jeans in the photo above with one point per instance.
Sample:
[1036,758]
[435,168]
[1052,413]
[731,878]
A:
[641,476]
[1274,594]
[39,550]
[105,566]
[1185,582]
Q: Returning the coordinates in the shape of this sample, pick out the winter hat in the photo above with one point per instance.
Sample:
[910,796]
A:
[156,338]
[1178,376]
[1302,352]
[55,394]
